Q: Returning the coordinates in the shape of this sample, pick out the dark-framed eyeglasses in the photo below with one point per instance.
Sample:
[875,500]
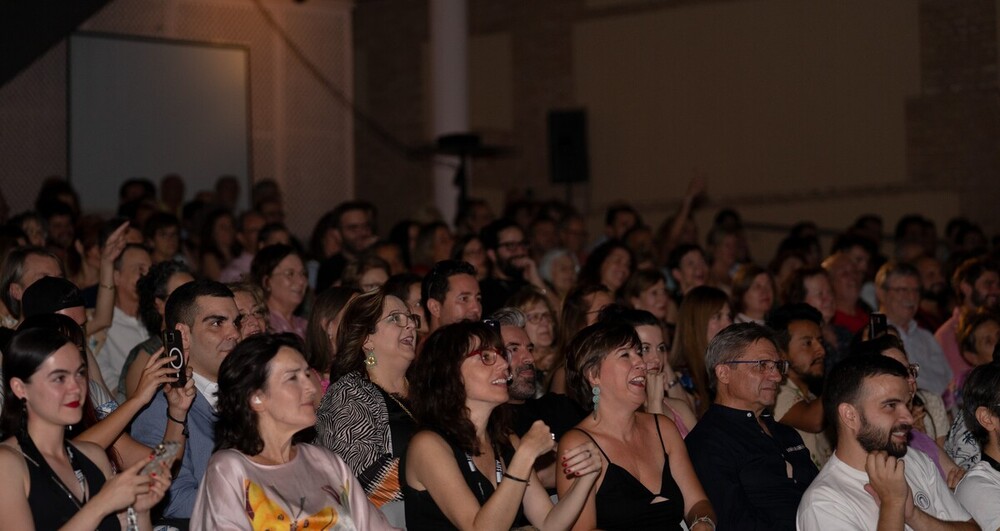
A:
[402,319]
[781,366]
[488,356]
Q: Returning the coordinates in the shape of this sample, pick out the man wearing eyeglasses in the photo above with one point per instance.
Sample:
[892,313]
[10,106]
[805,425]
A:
[513,268]
[872,481]
[753,469]
[898,293]
[798,335]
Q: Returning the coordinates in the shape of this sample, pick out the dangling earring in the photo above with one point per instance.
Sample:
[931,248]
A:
[597,398]
[24,415]
[370,359]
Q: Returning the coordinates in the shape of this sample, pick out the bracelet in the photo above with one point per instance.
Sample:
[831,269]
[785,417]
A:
[508,476]
[184,423]
[702,520]
[107,286]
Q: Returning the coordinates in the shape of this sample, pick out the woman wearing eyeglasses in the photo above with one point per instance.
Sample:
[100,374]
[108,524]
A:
[365,415]
[280,272]
[649,482]
[466,470]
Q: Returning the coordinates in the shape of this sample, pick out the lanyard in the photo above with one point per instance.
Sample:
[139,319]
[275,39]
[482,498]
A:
[473,469]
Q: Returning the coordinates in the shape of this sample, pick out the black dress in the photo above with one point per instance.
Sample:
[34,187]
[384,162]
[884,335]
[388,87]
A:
[623,502]
[423,514]
[50,500]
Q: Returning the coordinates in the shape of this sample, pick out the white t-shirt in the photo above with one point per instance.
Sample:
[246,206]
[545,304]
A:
[978,492]
[125,333]
[837,498]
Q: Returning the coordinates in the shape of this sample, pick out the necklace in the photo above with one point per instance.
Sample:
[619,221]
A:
[394,396]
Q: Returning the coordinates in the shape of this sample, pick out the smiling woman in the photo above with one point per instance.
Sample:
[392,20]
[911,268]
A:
[279,270]
[365,413]
[259,478]
[466,470]
[49,482]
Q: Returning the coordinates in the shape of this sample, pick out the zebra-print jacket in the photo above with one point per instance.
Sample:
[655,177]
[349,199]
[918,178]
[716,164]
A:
[353,421]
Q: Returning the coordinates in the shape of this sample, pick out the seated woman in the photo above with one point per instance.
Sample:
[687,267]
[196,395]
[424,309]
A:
[979,490]
[580,309]
[540,326]
[365,414]
[259,477]
[321,332]
[50,483]
[640,488]
[664,394]
[466,470]
[703,313]
[753,294]
[279,271]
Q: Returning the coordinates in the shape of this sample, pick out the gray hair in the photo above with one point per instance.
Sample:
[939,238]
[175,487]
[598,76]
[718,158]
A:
[893,269]
[545,264]
[510,316]
[731,343]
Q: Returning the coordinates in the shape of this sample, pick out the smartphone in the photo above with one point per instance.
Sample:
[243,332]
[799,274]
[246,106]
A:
[877,325]
[164,452]
[173,348]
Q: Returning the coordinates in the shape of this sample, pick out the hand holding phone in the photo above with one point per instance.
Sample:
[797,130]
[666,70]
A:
[174,349]
[164,452]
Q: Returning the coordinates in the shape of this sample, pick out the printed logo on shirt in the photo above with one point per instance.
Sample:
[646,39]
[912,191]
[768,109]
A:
[921,500]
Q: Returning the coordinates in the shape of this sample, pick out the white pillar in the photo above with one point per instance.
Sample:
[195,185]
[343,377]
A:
[450,92]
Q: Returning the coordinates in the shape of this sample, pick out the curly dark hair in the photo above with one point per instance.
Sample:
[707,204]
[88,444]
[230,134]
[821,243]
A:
[438,391]
[590,273]
[243,372]
[152,286]
[361,316]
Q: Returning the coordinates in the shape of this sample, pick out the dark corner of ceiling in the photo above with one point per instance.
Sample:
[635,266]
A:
[29,28]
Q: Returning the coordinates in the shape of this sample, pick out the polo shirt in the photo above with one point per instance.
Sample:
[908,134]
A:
[753,480]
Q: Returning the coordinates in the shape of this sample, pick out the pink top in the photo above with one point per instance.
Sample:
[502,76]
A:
[678,421]
[277,324]
[316,489]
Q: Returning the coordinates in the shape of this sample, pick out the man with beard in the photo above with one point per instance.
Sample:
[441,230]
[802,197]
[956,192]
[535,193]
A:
[871,482]
[799,339]
[977,284]
[507,248]
[933,293]
[558,411]
[449,293]
[354,222]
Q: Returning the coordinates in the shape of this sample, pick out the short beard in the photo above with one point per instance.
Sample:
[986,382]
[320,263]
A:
[522,388]
[873,440]
[511,271]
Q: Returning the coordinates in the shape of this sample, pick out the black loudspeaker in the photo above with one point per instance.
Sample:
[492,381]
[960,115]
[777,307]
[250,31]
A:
[568,160]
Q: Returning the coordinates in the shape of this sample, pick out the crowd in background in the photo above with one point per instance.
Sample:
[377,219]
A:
[499,370]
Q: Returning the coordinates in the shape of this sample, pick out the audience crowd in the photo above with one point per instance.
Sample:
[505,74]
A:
[189,366]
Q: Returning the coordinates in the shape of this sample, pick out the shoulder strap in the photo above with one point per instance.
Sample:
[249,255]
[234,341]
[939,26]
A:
[595,443]
[656,420]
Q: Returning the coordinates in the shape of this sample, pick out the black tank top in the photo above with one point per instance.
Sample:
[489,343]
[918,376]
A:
[623,502]
[49,499]
[422,514]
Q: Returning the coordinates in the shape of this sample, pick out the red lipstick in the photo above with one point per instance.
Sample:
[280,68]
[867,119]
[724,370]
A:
[75,404]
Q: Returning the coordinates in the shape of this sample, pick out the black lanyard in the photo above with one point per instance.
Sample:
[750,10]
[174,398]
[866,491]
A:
[474,470]
[31,453]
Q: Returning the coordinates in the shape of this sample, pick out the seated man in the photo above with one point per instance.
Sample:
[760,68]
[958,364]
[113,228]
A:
[206,317]
[871,481]
[799,336]
[754,469]
[980,489]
